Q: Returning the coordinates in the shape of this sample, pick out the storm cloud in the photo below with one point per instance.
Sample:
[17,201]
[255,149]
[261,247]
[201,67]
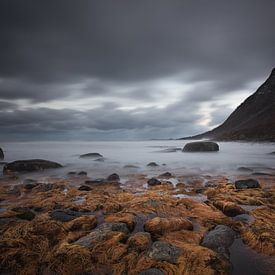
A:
[128,69]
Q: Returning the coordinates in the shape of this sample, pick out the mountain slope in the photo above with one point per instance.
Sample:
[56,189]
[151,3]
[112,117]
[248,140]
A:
[253,120]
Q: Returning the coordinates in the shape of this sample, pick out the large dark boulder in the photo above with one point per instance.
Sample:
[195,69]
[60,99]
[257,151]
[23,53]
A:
[1,154]
[29,165]
[91,155]
[153,182]
[248,183]
[113,177]
[201,146]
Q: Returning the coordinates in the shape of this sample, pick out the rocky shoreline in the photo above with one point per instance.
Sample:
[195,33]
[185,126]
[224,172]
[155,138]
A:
[171,224]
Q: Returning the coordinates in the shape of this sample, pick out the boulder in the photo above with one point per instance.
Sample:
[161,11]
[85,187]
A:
[64,215]
[84,188]
[24,213]
[95,182]
[140,241]
[152,271]
[30,165]
[85,223]
[71,173]
[247,183]
[153,182]
[128,218]
[166,175]
[230,209]
[1,154]
[201,146]
[219,239]
[82,173]
[163,251]
[113,177]
[91,155]
[152,164]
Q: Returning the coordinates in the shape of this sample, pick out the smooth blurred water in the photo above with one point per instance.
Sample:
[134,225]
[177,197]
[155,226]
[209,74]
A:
[118,154]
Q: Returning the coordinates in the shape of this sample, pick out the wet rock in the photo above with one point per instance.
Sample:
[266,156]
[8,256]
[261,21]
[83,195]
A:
[163,251]
[1,154]
[30,165]
[130,166]
[245,169]
[82,173]
[99,160]
[152,164]
[14,190]
[64,215]
[24,213]
[71,173]
[84,188]
[153,182]
[101,233]
[247,183]
[260,174]
[91,155]
[113,177]
[159,226]
[29,184]
[230,209]
[244,218]
[166,175]
[45,187]
[152,271]
[201,146]
[219,239]
[85,223]
[127,218]
[140,241]
[95,181]
[272,153]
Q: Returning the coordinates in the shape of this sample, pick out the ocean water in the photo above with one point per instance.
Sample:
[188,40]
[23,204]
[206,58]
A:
[139,153]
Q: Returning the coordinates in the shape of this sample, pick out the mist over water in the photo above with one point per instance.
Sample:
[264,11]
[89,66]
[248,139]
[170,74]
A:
[139,153]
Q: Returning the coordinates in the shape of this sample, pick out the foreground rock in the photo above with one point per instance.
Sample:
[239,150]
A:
[1,154]
[91,155]
[30,165]
[219,239]
[163,251]
[201,146]
[249,183]
[24,213]
[230,209]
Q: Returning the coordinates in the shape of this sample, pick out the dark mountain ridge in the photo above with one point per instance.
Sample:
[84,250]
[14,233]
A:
[253,120]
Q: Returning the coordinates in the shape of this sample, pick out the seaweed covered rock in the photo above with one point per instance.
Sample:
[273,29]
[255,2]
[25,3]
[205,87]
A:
[152,271]
[64,215]
[29,165]
[201,146]
[24,213]
[230,209]
[127,218]
[247,183]
[140,241]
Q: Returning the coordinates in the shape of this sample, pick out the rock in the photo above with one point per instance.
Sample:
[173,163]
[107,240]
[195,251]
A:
[272,153]
[24,213]
[260,174]
[71,173]
[153,182]
[82,173]
[64,215]
[163,251]
[244,169]
[45,187]
[101,233]
[85,223]
[113,177]
[100,159]
[201,146]
[152,164]
[29,165]
[91,155]
[84,188]
[127,218]
[1,154]
[219,239]
[248,183]
[230,209]
[166,175]
[95,182]
[152,271]
[29,184]
[130,166]
[140,241]
[159,226]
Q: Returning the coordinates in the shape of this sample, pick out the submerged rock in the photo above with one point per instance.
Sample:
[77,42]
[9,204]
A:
[95,181]
[219,239]
[248,183]
[64,215]
[30,165]
[153,182]
[166,175]
[29,184]
[244,169]
[152,271]
[113,177]
[82,173]
[91,155]
[163,251]
[1,154]
[152,164]
[201,146]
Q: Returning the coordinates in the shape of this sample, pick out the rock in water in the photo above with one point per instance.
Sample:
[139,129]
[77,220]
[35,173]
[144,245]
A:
[219,239]
[113,177]
[201,146]
[249,183]
[153,182]
[29,165]
[1,154]
[152,164]
[91,155]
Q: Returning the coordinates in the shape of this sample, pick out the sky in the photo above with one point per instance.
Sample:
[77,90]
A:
[128,70]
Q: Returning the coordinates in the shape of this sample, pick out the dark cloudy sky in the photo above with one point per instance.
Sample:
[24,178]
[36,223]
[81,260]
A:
[97,70]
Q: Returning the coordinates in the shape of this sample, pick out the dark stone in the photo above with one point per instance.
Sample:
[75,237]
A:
[152,271]
[24,213]
[72,173]
[163,251]
[95,181]
[100,160]
[272,153]
[91,155]
[260,174]
[113,177]
[219,239]
[166,175]
[84,188]
[64,215]
[201,146]
[152,164]
[1,154]
[244,169]
[45,187]
[29,184]
[248,183]
[82,173]
[153,182]
[30,165]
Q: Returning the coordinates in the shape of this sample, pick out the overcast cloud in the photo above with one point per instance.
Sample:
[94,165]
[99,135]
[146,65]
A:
[103,70]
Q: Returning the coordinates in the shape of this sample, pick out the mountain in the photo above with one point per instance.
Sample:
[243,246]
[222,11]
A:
[253,120]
